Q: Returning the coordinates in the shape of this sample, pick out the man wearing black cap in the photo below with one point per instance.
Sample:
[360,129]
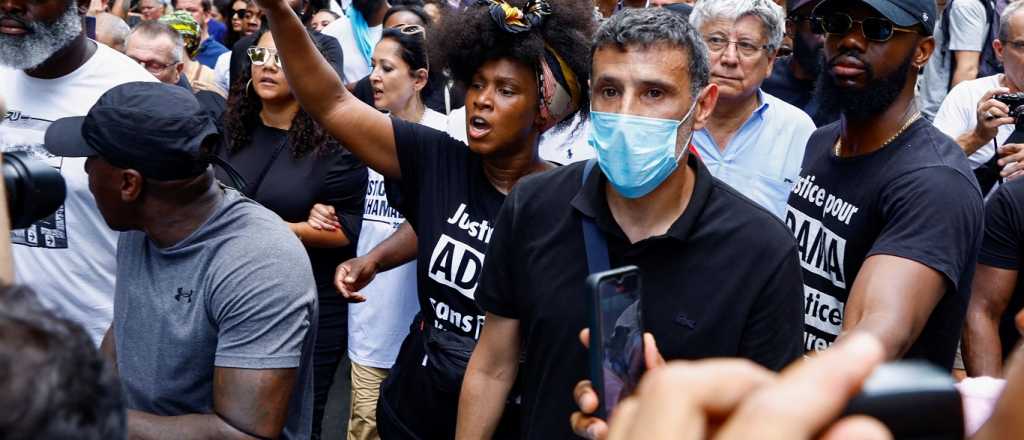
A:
[887,213]
[212,330]
[793,77]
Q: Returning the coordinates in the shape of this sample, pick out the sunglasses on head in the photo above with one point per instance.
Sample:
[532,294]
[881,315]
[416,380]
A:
[411,29]
[873,28]
[263,55]
[241,13]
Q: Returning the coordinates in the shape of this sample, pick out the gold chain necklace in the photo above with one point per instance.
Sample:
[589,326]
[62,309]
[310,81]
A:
[917,115]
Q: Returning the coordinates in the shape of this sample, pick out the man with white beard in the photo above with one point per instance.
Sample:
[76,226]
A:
[50,70]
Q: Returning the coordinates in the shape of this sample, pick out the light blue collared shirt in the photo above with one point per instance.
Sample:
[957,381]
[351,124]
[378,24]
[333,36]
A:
[763,159]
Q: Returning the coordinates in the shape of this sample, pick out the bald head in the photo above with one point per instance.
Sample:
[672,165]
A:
[112,31]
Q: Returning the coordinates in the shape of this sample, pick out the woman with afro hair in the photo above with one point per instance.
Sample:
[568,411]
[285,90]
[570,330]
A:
[526,66]
[290,163]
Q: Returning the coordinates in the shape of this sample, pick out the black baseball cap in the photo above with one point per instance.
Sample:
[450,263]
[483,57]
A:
[793,5]
[901,12]
[154,128]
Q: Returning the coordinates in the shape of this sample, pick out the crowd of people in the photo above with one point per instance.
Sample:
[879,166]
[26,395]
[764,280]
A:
[261,191]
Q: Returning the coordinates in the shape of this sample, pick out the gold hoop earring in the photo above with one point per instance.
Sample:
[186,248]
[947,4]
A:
[247,86]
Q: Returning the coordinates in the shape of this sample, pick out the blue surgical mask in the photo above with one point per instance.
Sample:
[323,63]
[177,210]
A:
[636,153]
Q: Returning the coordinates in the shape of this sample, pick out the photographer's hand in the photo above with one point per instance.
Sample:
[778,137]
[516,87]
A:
[991,114]
[584,424]
[1011,161]
[6,259]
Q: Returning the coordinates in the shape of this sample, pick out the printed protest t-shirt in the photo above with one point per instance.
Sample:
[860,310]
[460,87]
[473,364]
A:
[67,257]
[377,326]
[916,199]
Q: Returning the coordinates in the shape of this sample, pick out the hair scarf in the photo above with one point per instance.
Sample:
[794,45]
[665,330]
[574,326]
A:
[361,32]
[560,91]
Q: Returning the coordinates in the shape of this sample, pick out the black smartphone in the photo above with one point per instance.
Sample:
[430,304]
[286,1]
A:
[616,352]
[914,399]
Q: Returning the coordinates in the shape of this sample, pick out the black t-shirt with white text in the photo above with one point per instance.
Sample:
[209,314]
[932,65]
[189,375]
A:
[452,206]
[1002,248]
[915,198]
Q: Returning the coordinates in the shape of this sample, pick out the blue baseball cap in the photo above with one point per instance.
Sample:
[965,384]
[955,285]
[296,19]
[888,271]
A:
[901,12]
[156,129]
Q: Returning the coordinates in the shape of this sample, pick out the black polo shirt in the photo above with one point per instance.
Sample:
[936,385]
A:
[724,281]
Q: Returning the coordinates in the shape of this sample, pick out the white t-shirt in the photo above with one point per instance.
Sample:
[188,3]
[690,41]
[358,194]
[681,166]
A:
[958,115]
[562,146]
[223,70]
[377,326]
[68,258]
[968,28]
[356,68]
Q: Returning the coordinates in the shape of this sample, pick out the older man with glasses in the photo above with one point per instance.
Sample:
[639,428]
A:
[754,141]
[158,48]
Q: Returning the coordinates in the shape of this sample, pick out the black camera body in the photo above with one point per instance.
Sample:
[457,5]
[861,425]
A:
[1015,101]
[34,189]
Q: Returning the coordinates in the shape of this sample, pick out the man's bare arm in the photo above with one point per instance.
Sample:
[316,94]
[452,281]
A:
[248,404]
[990,294]
[892,299]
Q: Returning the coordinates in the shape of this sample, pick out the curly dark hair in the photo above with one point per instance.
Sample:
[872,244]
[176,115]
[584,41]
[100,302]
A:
[55,383]
[243,116]
[465,40]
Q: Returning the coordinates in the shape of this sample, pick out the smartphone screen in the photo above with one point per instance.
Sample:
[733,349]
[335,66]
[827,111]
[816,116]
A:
[618,326]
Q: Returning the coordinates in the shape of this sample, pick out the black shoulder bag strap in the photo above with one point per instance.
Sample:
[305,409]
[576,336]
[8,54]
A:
[593,238]
[250,191]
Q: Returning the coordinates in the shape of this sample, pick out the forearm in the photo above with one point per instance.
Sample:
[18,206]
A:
[107,348]
[895,334]
[482,401]
[145,426]
[119,9]
[398,249]
[982,350]
[970,142]
[964,74]
[317,238]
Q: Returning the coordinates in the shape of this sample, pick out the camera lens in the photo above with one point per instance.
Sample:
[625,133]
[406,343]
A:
[34,189]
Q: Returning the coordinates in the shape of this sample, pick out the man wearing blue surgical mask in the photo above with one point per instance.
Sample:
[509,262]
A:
[720,274]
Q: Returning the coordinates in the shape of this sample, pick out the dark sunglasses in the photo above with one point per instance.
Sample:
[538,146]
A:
[241,13]
[873,28]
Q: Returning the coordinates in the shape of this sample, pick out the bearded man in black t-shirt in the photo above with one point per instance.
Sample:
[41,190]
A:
[887,214]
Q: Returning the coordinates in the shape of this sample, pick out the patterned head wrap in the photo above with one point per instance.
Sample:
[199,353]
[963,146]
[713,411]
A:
[186,25]
[560,91]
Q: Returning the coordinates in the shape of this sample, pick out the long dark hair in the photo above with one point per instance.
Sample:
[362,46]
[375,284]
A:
[243,116]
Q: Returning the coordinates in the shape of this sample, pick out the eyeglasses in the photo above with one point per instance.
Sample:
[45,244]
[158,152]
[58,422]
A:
[717,45]
[261,56]
[241,13]
[153,66]
[873,28]
[411,29]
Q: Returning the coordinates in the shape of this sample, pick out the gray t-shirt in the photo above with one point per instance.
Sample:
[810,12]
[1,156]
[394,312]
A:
[237,293]
[968,28]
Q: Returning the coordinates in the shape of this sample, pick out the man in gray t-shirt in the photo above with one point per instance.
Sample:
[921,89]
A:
[968,28]
[215,304]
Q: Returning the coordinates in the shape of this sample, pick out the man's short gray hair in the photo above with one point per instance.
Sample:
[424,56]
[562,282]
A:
[771,15]
[155,29]
[652,26]
[1004,20]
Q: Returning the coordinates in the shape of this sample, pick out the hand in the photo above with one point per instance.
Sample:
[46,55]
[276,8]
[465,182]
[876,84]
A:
[991,115]
[353,275]
[587,426]
[323,218]
[1011,156]
[726,399]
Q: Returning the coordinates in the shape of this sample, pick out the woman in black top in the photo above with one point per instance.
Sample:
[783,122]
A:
[291,163]
[526,63]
